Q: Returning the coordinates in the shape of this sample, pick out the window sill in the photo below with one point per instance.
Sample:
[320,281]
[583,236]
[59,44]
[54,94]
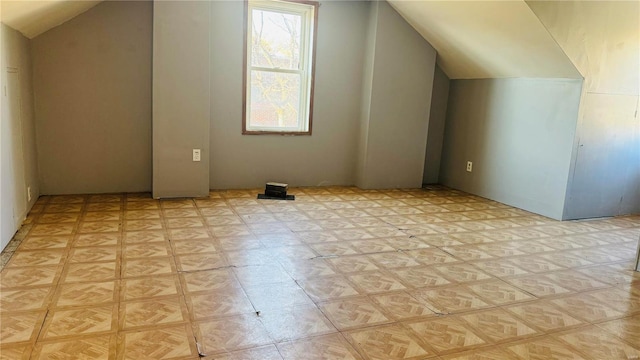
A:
[281,133]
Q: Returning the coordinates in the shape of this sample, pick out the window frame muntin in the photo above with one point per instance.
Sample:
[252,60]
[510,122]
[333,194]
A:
[310,73]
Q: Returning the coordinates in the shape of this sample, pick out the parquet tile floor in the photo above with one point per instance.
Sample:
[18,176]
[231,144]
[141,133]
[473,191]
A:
[339,273]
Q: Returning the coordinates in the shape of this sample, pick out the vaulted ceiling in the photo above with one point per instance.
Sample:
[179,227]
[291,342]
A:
[32,18]
[487,39]
[474,39]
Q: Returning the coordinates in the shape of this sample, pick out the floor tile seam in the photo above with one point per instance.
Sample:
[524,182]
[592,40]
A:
[192,315]
[56,294]
[272,338]
[122,327]
[51,312]
[478,331]
[587,327]
[404,327]
[37,328]
[339,334]
[321,306]
[121,334]
[539,328]
[55,287]
[585,319]
[588,293]
[500,345]
[455,312]
[624,340]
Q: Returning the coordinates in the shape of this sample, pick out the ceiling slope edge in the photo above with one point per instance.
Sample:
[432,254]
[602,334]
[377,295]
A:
[488,39]
[33,18]
[601,38]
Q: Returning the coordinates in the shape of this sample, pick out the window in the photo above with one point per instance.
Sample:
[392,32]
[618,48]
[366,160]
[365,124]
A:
[278,74]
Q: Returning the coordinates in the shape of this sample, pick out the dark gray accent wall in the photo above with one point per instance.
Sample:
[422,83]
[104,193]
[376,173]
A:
[181,96]
[92,83]
[519,135]
[435,134]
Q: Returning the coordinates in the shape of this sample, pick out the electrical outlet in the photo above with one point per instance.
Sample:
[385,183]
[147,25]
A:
[196,154]
[469,166]
[28,193]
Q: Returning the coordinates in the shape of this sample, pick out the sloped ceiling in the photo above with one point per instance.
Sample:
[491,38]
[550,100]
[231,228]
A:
[32,18]
[601,37]
[487,39]
[474,39]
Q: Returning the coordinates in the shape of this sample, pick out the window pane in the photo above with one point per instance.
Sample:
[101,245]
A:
[275,99]
[275,39]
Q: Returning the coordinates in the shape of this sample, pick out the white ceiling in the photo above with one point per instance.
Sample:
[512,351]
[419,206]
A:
[32,18]
[487,39]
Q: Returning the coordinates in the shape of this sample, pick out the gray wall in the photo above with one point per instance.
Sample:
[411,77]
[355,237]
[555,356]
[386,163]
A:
[18,138]
[100,140]
[435,134]
[603,41]
[180,97]
[92,82]
[328,156]
[367,83]
[605,175]
[518,133]
[400,99]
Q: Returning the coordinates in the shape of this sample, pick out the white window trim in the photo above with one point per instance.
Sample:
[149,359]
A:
[308,13]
